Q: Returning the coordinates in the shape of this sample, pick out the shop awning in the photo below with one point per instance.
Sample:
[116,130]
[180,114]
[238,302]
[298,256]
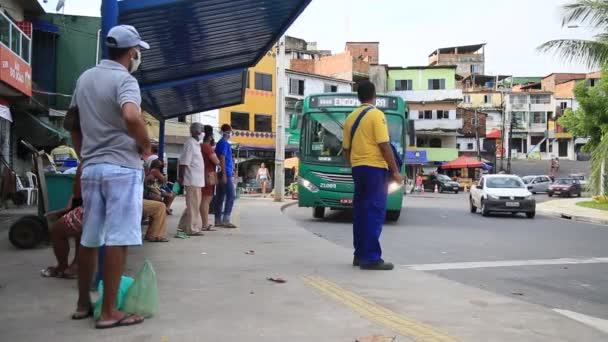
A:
[494,134]
[463,162]
[200,49]
[37,132]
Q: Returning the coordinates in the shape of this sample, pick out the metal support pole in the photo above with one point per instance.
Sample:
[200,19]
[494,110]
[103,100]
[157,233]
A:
[161,140]
[279,175]
[477,135]
[109,19]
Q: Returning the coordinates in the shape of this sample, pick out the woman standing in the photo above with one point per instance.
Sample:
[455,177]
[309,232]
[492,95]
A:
[211,163]
[263,178]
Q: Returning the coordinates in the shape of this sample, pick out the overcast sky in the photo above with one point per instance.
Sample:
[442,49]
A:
[409,30]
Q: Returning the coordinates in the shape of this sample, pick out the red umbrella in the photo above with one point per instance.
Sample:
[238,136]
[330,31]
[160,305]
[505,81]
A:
[462,162]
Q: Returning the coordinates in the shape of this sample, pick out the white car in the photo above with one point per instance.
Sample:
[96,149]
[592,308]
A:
[502,193]
[581,179]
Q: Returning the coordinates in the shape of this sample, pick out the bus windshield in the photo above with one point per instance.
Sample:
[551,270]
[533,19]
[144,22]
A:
[322,136]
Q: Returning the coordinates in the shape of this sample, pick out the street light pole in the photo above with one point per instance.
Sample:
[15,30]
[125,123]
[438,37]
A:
[279,175]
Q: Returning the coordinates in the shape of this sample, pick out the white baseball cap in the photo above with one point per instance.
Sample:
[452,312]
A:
[125,36]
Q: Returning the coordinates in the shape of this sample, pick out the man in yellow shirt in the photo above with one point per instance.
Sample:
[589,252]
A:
[63,152]
[367,148]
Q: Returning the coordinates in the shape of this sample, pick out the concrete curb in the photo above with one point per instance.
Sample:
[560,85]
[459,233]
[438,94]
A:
[578,218]
[287,205]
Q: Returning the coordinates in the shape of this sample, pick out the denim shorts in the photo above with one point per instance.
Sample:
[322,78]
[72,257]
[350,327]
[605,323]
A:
[113,205]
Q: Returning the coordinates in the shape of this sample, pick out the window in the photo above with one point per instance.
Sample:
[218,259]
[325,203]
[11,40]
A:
[5,30]
[263,81]
[247,80]
[428,114]
[239,121]
[296,87]
[519,118]
[16,40]
[467,99]
[435,84]
[330,88]
[563,105]
[475,68]
[403,85]
[458,146]
[263,123]
[443,114]
[435,142]
[181,119]
[470,146]
[540,99]
[487,99]
[518,99]
[591,82]
[539,117]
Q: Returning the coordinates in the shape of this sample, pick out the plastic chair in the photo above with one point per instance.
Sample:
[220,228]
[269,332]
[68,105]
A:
[31,192]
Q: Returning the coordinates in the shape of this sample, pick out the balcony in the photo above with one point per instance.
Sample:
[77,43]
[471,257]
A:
[438,124]
[429,95]
[15,57]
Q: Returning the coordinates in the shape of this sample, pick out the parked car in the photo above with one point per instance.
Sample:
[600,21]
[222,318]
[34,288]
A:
[502,193]
[580,177]
[537,183]
[565,187]
[443,182]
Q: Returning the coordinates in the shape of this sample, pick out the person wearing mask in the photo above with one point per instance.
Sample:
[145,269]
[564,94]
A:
[109,133]
[263,178]
[367,148]
[211,163]
[225,190]
[191,169]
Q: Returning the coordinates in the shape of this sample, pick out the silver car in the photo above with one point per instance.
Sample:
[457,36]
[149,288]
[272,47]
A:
[537,183]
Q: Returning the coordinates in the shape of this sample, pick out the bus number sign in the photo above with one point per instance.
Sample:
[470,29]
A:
[350,101]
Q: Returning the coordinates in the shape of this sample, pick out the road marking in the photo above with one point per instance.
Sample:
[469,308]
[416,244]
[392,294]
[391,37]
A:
[597,323]
[505,263]
[378,314]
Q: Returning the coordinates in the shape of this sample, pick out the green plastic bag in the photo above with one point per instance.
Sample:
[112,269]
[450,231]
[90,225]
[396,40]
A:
[142,298]
[177,188]
[125,284]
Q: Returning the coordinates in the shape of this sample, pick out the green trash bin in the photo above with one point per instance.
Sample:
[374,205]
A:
[59,189]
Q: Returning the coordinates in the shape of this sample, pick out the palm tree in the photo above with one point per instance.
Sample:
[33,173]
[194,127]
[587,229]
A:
[592,14]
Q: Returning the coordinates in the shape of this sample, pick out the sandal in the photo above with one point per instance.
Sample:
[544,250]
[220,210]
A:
[80,315]
[51,272]
[126,321]
[209,228]
[196,234]
[158,239]
[229,225]
[181,235]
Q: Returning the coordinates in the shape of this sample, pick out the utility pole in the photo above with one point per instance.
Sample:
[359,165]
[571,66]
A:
[279,162]
[477,135]
[512,122]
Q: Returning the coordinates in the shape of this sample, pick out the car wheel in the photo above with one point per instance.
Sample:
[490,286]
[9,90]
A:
[533,192]
[393,215]
[484,209]
[580,194]
[531,215]
[472,206]
[549,194]
[456,192]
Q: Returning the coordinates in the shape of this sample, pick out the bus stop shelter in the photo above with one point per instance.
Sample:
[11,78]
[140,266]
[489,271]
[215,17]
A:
[199,49]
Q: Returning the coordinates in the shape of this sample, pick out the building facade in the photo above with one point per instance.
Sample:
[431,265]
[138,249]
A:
[468,59]
[432,99]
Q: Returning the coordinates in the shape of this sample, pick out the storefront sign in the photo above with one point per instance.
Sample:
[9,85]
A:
[15,72]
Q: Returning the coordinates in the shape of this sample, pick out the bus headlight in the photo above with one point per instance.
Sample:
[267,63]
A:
[394,186]
[308,185]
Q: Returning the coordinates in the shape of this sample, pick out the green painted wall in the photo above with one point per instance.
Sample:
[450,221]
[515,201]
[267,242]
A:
[76,48]
[420,77]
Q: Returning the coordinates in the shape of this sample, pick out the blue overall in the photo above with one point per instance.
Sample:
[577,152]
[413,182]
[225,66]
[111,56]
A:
[369,211]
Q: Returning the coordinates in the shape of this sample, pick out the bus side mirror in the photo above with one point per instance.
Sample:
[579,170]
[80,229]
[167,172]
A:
[294,122]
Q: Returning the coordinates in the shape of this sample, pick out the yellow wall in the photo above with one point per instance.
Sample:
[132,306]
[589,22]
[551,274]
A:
[477,100]
[171,128]
[256,102]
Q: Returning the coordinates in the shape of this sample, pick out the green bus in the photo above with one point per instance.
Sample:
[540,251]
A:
[324,179]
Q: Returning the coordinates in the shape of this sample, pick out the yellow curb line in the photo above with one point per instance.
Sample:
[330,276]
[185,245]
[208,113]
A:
[378,314]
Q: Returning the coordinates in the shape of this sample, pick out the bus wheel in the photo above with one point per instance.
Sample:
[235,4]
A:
[318,212]
[393,215]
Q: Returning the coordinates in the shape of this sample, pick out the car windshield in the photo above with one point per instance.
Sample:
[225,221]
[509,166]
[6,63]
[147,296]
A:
[444,178]
[564,181]
[504,182]
[527,179]
[579,177]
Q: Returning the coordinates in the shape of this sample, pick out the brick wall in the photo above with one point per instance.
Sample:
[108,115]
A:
[303,65]
[339,66]
[364,51]
[468,122]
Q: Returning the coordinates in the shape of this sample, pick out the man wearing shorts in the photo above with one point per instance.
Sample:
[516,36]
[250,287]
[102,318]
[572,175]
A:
[109,132]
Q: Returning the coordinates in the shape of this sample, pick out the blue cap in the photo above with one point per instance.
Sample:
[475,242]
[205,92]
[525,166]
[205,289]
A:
[125,36]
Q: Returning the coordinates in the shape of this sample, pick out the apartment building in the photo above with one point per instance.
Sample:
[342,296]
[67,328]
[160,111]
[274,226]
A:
[468,59]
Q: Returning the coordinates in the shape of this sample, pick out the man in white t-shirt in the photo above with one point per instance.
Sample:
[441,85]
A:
[192,177]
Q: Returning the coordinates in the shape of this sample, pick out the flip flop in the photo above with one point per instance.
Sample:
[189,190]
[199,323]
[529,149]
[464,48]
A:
[209,229]
[181,235]
[158,239]
[196,234]
[229,225]
[80,315]
[120,323]
[51,272]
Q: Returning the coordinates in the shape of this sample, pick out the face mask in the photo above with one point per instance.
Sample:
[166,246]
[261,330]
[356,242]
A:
[201,137]
[135,62]
[227,135]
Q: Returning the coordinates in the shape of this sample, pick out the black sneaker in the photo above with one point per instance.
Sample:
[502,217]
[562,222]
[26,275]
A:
[355,261]
[380,265]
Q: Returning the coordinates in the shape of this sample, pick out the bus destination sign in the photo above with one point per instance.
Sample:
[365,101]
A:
[321,101]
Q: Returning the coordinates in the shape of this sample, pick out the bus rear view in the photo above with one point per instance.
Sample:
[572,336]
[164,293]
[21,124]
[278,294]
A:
[325,180]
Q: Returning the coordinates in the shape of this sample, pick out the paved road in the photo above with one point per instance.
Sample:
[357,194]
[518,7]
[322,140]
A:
[544,260]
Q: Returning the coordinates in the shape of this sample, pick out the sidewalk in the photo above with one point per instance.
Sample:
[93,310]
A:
[567,208]
[211,290]
[11,215]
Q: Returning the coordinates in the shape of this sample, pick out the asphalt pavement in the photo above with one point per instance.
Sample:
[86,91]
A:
[559,264]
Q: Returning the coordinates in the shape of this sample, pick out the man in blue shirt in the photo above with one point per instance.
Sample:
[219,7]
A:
[225,189]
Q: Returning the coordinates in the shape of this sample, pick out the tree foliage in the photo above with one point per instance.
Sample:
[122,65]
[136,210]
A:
[591,117]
